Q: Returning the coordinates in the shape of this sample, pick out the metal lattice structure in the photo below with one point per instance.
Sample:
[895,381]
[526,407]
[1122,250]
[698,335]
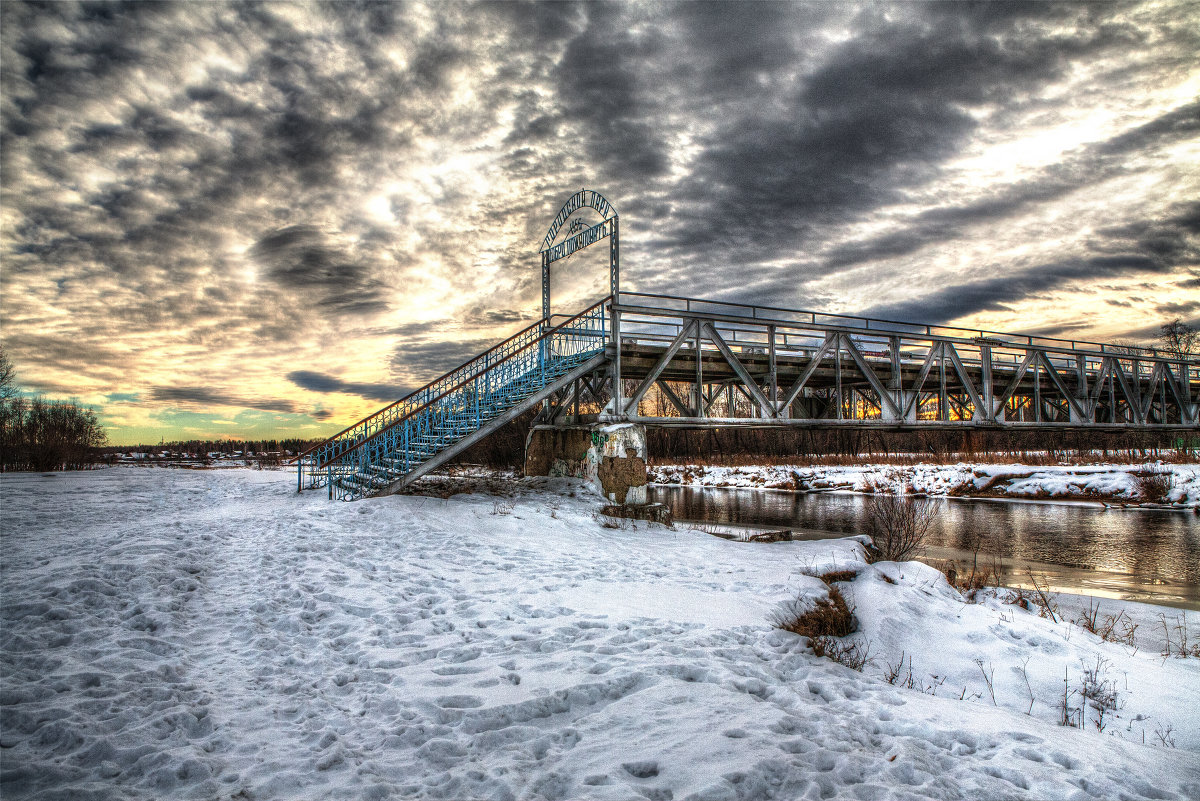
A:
[664,360]
[711,364]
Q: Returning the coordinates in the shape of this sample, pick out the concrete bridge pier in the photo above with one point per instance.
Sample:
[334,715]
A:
[611,456]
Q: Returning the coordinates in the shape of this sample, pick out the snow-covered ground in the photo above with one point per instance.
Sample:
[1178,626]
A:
[210,634]
[1112,483]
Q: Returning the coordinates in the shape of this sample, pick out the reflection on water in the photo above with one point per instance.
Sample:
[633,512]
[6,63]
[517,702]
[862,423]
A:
[1142,554]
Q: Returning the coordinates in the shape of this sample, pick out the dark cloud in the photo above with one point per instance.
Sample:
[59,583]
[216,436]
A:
[1149,334]
[1062,330]
[483,316]
[203,396]
[601,88]
[1091,165]
[1003,292]
[876,118]
[735,46]
[319,382]
[301,257]
[1177,309]
[1143,246]
[425,361]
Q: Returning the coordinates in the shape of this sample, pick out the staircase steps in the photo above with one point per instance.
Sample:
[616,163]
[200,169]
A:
[413,435]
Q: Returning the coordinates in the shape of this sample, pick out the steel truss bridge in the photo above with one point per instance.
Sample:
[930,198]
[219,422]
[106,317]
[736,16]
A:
[662,360]
[696,363]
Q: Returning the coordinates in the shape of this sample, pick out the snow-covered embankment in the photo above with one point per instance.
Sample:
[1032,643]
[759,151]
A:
[1100,483]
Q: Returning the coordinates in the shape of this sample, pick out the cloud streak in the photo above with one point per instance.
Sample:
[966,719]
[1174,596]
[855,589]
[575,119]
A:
[319,382]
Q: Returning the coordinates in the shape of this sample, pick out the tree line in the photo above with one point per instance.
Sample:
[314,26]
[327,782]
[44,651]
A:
[225,447]
[40,434]
[262,452]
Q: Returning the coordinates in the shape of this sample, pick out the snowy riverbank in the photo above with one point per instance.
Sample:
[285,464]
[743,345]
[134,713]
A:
[1097,483]
[210,634]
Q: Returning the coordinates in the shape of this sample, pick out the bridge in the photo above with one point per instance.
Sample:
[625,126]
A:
[636,360]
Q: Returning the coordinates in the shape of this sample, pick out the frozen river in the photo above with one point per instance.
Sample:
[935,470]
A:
[1142,554]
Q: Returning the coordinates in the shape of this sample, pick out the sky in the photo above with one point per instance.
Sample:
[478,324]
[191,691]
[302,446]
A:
[268,220]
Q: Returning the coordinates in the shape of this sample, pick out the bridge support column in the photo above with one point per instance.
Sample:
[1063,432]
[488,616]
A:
[612,457]
[907,401]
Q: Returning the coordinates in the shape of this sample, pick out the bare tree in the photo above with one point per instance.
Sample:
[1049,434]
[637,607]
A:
[1179,339]
[37,434]
[1125,347]
[8,378]
[899,525]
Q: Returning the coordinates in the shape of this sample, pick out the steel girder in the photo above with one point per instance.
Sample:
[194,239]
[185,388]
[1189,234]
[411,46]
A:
[840,370]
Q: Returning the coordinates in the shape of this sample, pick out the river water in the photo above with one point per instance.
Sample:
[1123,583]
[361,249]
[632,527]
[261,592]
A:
[1144,555]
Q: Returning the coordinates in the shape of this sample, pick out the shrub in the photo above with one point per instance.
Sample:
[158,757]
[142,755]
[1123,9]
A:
[853,655]
[1098,692]
[618,523]
[873,485]
[899,675]
[970,583]
[1178,645]
[1118,628]
[828,617]
[838,575]
[1041,597]
[1154,485]
[784,535]
[899,525]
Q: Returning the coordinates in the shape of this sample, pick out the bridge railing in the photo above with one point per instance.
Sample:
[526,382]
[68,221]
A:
[633,302]
[465,396]
[803,338]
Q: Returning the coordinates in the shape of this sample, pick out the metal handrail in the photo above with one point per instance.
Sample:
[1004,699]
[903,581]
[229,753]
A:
[1056,357]
[415,392]
[925,331]
[450,390]
[922,329]
[482,359]
[409,445]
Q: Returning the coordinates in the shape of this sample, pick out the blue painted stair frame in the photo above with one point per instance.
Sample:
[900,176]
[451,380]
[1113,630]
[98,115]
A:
[375,453]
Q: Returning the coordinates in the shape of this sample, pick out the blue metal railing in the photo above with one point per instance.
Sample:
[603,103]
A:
[381,448]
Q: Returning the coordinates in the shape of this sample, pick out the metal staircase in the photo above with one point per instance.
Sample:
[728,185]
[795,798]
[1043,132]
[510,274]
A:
[403,441]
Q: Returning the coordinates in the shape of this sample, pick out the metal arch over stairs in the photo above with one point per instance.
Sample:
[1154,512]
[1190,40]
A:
[608,227]
[699,363]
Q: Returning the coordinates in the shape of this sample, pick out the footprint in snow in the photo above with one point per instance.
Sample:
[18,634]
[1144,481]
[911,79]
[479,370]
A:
[646,769]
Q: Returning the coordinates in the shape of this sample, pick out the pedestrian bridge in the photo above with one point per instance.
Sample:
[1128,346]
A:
[660,360]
